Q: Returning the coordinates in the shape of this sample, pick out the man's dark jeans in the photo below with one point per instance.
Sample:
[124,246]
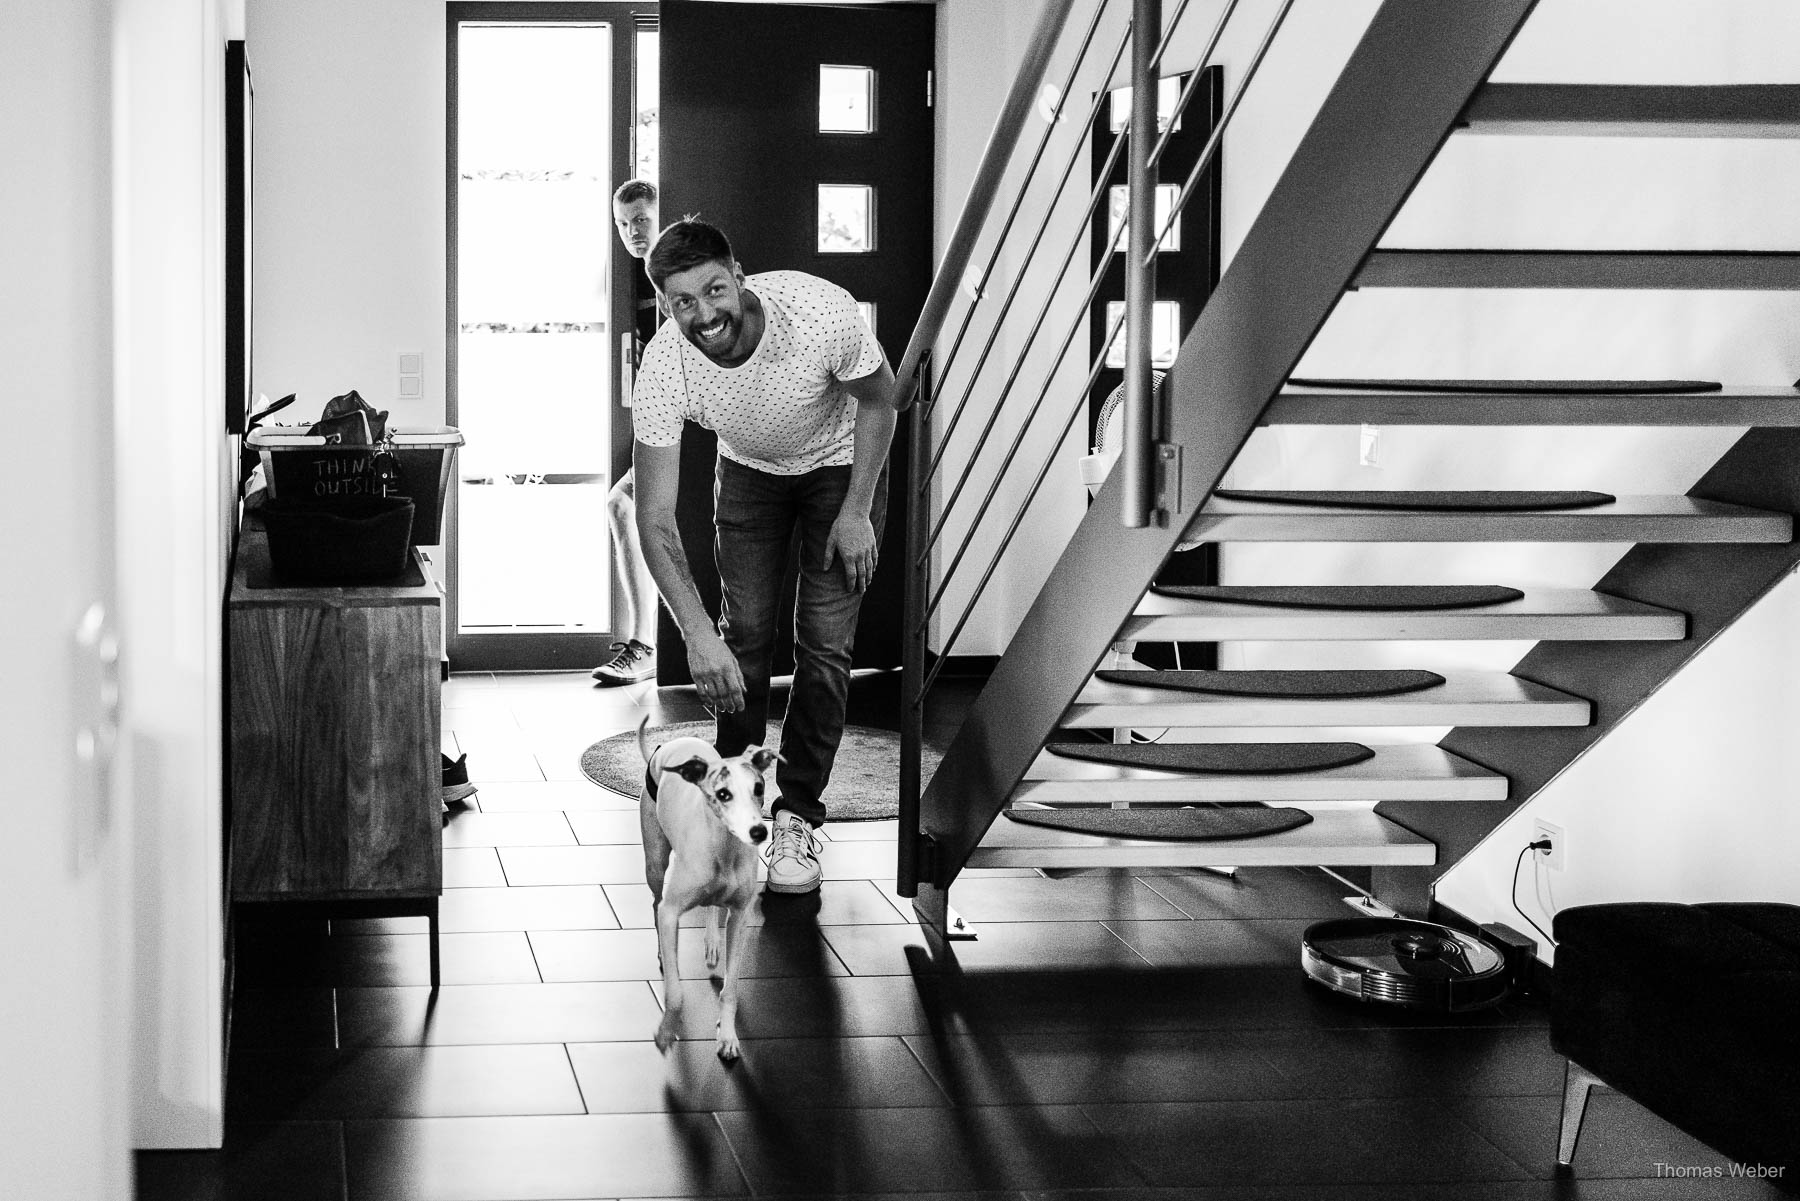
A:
[756,514]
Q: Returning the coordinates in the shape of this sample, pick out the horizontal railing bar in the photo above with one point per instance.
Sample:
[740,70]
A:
[1019,440]
[994,157]
[1211,149]
[943,441]
[1094,285]
[1075,65]
[1162,47]
[1193,83]
[993,489]
[1018,519]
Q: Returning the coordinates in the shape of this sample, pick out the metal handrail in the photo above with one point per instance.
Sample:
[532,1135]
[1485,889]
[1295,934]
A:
[1019,517]
[1099,190]
[994,157]
[1211,150]
[994,486]
[1193,84]
[943,368]
[1019,276]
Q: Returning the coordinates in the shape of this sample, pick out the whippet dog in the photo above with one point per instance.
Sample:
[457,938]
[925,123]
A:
[702,820]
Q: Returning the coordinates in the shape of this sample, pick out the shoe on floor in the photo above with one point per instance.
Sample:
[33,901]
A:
[456,781]
[793,855]
[631,661]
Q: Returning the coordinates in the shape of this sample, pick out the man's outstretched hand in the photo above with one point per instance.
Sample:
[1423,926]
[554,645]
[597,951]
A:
[852,542]
[717,677]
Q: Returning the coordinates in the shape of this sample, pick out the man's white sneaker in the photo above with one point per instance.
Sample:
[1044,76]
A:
[793,855]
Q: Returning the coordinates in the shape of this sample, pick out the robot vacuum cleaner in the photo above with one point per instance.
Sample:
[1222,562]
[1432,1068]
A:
[1398,961]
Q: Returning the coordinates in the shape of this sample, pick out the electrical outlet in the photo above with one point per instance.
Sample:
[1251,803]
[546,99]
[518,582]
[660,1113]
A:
[1557,857]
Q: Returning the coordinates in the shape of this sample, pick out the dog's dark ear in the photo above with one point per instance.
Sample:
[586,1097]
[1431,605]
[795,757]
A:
[693,771]
[763,758]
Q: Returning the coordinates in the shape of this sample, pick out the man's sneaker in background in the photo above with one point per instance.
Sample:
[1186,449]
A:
[632,661]
[456,781]
[793,855]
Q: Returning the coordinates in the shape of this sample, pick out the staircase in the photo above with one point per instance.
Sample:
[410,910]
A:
[1409,813]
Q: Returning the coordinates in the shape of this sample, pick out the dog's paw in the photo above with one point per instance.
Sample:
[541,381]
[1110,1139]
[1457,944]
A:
[666,1034]
[715,949]
[728,1047]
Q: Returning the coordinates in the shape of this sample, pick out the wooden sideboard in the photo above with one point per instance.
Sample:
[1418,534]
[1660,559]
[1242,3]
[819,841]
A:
[336,778]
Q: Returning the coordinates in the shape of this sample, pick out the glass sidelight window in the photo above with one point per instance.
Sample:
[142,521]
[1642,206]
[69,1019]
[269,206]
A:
[534,361]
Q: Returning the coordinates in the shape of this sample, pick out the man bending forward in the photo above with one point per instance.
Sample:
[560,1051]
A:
[781,367]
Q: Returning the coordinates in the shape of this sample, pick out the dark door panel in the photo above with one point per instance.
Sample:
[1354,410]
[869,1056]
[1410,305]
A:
[741,147]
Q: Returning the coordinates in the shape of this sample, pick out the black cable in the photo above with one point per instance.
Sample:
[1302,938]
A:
[1541,845]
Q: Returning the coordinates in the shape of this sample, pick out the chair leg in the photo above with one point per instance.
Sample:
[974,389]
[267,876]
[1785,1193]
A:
[1577,1083]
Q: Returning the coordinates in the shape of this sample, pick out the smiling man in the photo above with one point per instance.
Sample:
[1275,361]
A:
[781,367]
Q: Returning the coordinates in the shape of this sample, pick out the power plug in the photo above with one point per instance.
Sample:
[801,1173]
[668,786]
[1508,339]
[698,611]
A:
[1554,856]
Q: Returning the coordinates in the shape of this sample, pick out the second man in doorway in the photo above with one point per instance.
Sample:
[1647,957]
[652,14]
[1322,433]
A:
[634,657]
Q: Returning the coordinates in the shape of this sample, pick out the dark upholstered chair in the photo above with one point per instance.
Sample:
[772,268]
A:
[1692,1011]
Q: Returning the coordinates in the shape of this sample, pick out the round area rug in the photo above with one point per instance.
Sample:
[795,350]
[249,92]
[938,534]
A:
[865,779]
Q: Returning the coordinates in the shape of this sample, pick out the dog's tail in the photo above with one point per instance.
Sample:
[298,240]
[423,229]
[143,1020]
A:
[643,747]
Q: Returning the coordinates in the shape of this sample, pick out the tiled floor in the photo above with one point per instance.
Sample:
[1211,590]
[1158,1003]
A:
[1109,1036]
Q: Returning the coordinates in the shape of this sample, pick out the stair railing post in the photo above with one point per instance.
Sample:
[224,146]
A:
[1136,463]
[915,623]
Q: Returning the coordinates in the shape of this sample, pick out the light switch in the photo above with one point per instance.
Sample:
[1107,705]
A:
[412,363]
[412,385]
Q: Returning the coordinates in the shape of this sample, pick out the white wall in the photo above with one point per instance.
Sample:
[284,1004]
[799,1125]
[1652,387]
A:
[350,242]
[63,862]
[174,511]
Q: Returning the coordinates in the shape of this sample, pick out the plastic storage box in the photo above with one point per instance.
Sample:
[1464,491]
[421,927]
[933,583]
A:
[302,467]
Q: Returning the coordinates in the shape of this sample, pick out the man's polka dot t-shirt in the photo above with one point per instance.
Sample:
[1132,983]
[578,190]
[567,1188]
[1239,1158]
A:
[783,410]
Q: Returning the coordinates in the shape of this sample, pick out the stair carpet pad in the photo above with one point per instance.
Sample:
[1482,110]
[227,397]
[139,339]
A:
[1362,597]
[1427,501]
[1210,823]
[1569,387]
[1219,758]
[1322,685]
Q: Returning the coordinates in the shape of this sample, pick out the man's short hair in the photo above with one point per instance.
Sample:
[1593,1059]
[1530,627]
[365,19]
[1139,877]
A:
[633,190]
[685,245]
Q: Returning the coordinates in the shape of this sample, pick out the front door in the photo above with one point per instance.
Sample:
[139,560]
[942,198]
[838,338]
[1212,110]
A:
[805,133]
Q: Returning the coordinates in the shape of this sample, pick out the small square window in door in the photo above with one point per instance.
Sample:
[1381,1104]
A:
[1165,333]
[846,218]
[846,100]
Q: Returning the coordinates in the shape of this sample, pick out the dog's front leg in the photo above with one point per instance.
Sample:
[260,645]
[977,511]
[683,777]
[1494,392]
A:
[668,932]
[716,917]
[728,995]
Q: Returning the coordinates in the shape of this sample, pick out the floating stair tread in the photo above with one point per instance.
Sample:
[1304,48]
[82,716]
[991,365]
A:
[1542,613]
[1755,270]
[1628,519]
[1759,110]
[1407,771]
[1730,406]
[1345,837]
[1466,698]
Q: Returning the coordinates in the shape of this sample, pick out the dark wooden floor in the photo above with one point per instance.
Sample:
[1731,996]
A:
[1109,1036]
